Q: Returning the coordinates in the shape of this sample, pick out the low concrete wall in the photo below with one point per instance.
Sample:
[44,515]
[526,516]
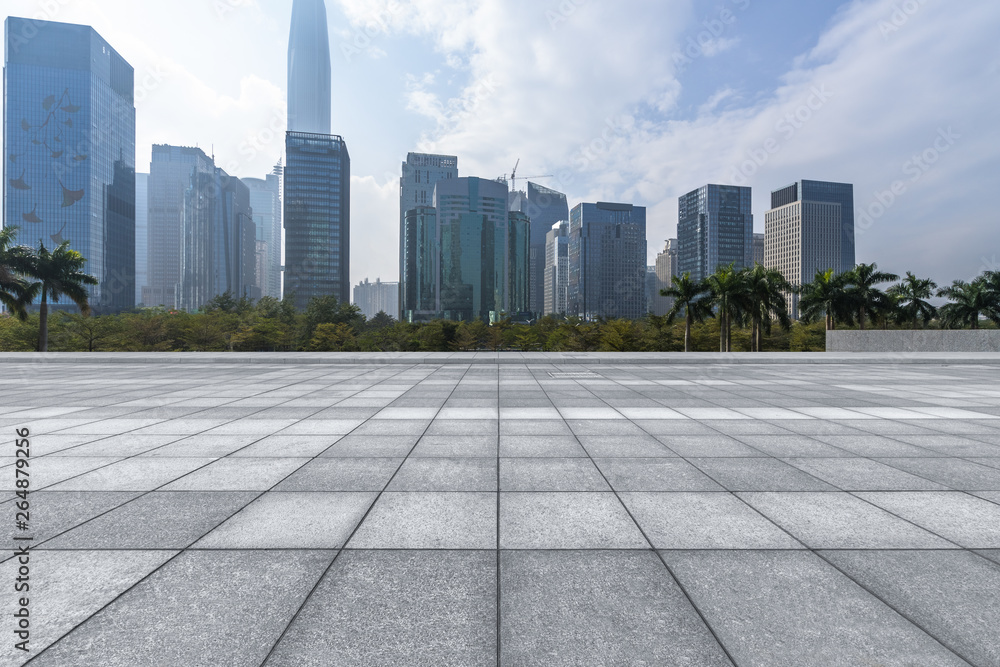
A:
[913,341]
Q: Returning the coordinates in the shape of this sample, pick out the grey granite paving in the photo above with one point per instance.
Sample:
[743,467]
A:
[525,509]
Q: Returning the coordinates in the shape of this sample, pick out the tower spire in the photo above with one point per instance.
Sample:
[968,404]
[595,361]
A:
[309,77]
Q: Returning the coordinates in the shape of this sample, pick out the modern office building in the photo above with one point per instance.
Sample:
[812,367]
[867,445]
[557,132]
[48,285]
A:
[317,206]
[265,200]
[556,279]
[666,269]
[652,288]
[317,217]
[832,193]
[758,249]
[309,74]
[419,174]
[219,246]
[377,297]
[465,258]
[69,144]
[420,278]
[714,228]
[803,235]
[607,261]
[544,207]
[173,171]
[141,234]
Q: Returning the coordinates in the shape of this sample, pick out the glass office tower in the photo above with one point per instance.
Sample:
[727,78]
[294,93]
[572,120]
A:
[607,261]
[421,265]
[544,207]
[69,137]
[265,200]
[141,234]
[714,229]
[518,294]
[827,193]
[317,217]
[309,77]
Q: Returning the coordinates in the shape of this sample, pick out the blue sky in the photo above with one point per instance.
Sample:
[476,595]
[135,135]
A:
[633,100]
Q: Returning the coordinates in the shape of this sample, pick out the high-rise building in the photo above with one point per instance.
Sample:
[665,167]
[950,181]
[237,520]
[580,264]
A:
[832,193]
[219,250]
[317,217]
[265,200]
[174,171]
[666,269]
[556,269]
[544,207]
[309,74]
[420,173]
[420,279]
[465,258]
[652,289]
[803,236]
[607,261]
[317,213]
[377,297]
[141,234]
[714,229]
[758,249]
[69,138]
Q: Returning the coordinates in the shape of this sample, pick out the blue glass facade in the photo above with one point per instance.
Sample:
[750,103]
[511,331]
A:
[317,217]
[714,229]
[69,137]
[545,207]
[828,193]
[607,261]
[309,87]
[421,265]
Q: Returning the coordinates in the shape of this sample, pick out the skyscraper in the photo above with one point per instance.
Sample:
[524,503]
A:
[714,229]
[544,207]
[318,168]
[758,249]
[173,171]
[219,250]
[265,200]
[69,137]
[517,267]
[607,261]
[309,76]
[833,193]
[420,280]
[556,269]
[420,173]
[803,236]
[141,234]
[666,269]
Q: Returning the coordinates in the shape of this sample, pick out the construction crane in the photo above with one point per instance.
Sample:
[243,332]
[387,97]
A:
[513,177]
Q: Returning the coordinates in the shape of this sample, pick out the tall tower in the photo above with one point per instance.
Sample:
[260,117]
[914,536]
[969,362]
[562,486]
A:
[69,151]
[309,88]
[714,229]
[318,168]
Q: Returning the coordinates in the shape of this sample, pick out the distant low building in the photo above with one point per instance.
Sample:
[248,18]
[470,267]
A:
[377,297]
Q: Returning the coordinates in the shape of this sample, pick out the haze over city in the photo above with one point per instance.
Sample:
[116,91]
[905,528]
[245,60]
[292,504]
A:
[680,93]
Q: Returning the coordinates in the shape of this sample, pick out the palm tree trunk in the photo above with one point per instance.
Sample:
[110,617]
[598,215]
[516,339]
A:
[722,330]
[861,318]
[687,330]
[975,321]
[43,324]
[830,326]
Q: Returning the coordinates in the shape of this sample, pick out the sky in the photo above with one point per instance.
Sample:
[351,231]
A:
[634,101]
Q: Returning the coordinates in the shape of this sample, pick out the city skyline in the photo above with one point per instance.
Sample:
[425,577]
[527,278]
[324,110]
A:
[846,72]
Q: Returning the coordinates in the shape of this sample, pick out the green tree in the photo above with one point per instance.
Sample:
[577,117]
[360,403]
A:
[766,303]
[969,301]
[328,310]
[91,334]
[727,289]
[14,292]
[867,300]
[689,298]
[331,338]
[53,274]
[911,295]
[826,296]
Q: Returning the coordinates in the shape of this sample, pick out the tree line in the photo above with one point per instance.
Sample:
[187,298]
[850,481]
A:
[738,309]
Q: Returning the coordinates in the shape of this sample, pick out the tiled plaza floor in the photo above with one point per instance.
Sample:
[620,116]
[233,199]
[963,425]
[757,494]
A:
[421,514]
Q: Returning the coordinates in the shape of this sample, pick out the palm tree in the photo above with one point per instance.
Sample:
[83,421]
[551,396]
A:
[910,295]
[862,288]
[825,296]
[54,274]
[992,279]
[728,293]
[14,292]
[766,290]
[968,302]
[689,297]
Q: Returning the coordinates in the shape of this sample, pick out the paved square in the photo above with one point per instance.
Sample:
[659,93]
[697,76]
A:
[465,510]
